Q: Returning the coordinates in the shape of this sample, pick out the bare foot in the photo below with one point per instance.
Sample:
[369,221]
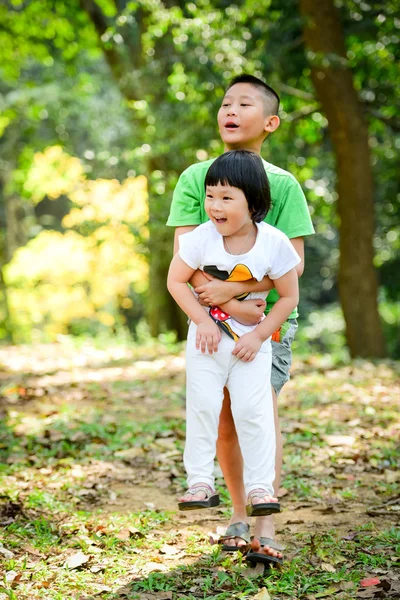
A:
[264,527]
[236,542]
[267,550]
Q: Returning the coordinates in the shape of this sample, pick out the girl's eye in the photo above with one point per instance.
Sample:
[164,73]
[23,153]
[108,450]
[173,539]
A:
[243,104]
[225,104]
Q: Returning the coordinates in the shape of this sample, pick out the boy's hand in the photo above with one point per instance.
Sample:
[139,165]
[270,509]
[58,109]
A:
[217,292]
[208,336]
[247,346]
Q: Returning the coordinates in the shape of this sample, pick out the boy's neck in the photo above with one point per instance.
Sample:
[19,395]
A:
[251,148]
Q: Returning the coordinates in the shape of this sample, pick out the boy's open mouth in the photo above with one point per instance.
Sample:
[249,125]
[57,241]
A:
[231,125]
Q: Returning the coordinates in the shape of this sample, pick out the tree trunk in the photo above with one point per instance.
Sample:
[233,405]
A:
[333,81]
[124,63]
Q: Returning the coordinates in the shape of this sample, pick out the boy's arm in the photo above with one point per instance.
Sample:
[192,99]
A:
[287,287]
[208,333]
[298,245]
[217,292]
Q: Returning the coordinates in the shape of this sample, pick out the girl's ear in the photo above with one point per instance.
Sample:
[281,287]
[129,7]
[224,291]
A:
[272,123]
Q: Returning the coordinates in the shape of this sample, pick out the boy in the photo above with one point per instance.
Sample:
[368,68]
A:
[248,115]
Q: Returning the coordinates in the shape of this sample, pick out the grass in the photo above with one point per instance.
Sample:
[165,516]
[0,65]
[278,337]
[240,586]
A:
[90,465]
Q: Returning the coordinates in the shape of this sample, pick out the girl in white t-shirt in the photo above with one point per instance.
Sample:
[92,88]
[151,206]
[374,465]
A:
[234,245]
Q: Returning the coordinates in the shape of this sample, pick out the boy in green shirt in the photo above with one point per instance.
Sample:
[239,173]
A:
[247,116]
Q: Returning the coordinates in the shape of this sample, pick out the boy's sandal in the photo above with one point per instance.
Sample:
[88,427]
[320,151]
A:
[259,557]
[211,499]
[263,508]
[236,530]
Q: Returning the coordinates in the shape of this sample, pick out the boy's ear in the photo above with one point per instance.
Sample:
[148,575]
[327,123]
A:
[272,123]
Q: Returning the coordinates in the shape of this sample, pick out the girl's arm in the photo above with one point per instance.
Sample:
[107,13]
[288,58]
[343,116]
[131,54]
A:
[287,287]
[208,333]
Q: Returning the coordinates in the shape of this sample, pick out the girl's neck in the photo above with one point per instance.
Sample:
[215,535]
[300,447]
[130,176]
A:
[242,241]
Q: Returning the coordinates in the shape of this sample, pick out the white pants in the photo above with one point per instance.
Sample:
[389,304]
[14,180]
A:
[249,385]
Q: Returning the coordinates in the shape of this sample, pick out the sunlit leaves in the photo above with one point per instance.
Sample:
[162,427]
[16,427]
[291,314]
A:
[85,274]
[52,174]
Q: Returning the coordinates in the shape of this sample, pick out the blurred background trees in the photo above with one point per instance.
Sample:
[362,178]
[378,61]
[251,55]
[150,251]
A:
[104,103]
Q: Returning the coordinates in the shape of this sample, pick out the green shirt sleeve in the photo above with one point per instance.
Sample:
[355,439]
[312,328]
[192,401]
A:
[187,201]
[290,214]
[289,211]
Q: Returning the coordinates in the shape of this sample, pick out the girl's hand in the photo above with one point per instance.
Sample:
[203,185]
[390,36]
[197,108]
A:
[247,346]
[208,336]
[216,292]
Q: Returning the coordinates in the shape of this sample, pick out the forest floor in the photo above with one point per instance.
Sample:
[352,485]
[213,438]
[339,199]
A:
[91,466]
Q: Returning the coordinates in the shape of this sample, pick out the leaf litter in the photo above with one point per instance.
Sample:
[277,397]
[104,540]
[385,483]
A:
[94,468]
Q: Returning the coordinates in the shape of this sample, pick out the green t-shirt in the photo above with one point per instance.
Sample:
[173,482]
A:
[288,212]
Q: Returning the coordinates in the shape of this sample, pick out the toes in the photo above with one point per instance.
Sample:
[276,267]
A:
[271,552]
[263,500]
[255,545]
[190,497]
[235,543]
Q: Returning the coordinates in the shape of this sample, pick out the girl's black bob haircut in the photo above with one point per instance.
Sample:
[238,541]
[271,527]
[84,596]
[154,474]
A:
[243,170]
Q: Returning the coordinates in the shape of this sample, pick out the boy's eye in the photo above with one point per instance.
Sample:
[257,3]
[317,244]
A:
[225,104]
[244,104]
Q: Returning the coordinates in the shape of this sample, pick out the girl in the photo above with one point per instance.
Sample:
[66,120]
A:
[234,245]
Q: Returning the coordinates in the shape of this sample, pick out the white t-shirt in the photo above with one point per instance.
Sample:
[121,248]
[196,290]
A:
[272,255]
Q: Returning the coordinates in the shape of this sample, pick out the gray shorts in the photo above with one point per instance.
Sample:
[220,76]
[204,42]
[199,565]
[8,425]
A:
[282,355]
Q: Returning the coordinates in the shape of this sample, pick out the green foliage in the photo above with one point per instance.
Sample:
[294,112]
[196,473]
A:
[88,271]
[141,96]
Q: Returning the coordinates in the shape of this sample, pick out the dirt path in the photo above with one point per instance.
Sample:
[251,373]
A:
[101,432]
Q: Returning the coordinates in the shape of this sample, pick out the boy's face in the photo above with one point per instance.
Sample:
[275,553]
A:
[242,122]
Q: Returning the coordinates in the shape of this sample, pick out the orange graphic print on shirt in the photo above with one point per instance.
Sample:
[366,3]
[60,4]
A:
[239,273]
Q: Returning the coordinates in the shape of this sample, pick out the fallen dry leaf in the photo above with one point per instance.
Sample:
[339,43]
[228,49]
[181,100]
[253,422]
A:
[135,532]
[12,576]
[368,581]
[123,535]
[328,568]
[130,453]
[76,560]
[262,595]
[339,440]
[168,550]
[332,589]
[253,572]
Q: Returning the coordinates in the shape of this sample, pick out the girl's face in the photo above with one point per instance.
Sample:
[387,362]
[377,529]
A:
[227,208]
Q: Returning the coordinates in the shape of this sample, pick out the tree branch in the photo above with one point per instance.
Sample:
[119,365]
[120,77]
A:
[120,67]
[305,111]
[392,122]
[291,91]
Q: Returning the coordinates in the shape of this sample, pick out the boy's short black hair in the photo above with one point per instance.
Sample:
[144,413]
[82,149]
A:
[243,170]
[272,99]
